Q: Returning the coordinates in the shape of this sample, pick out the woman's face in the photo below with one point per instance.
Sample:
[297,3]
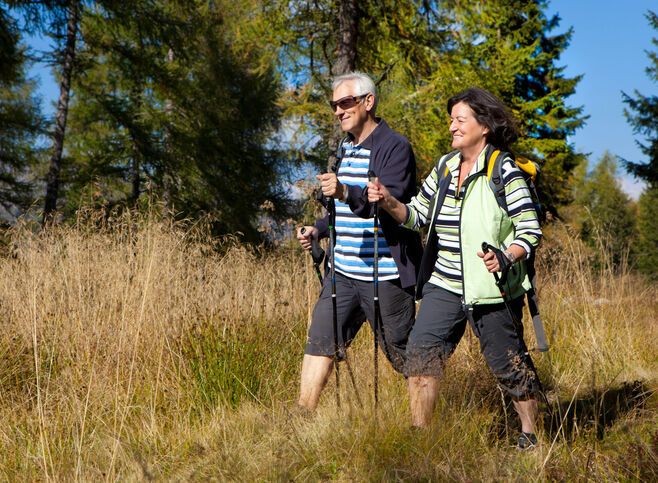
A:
[466,131]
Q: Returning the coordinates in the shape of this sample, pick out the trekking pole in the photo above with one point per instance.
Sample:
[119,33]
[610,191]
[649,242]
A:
[533,307]
[500,282]
[542,344]
[317,254]
[331,208]
[375,323]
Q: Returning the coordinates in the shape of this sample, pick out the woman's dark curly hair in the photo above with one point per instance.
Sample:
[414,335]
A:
[490,112]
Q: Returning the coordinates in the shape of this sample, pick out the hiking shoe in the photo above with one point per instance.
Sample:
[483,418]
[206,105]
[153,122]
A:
[527,441]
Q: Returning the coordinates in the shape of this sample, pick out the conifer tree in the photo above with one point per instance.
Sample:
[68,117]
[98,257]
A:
[420,54]
[608,216]
[642,114]
[178,98]
[20,123]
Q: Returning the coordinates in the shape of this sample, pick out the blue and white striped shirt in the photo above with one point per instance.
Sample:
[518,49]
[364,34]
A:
[355,243]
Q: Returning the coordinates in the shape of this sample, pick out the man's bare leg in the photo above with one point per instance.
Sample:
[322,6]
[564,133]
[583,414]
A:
[423,393]
[527,411]
[315,374]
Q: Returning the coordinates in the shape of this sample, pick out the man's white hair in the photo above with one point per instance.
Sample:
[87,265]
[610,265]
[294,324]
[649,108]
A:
[364,84]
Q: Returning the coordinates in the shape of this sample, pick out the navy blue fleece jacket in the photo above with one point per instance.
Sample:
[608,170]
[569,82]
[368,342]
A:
[393,162]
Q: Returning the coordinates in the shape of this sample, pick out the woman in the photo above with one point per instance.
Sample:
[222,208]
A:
[460,283]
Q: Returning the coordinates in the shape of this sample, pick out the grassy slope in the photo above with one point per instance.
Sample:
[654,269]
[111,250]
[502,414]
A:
[144,350]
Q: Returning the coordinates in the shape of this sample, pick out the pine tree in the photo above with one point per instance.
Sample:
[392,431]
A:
[20,123]
[69,11]
[420,54]
[642,114]
[514,54]
[178,98]
[608,216]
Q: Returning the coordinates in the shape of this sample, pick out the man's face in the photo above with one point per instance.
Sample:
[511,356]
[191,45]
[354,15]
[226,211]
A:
[352,118]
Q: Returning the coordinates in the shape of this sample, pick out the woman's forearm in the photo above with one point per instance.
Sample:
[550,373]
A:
[395,208]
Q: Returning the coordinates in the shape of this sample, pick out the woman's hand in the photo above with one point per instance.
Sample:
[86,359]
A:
[377,193]
[499,261]
[490,261]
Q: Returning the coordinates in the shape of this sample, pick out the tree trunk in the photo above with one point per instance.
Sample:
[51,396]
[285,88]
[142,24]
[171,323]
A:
[52,181]
[168,174]
[135,179]
[348,31]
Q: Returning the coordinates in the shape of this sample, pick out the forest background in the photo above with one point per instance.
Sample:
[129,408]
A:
[195,128]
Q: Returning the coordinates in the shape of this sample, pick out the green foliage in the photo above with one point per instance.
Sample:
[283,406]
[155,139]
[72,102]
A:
[420,54]
[607,217]
[175,101]
[642,114]
[647,241]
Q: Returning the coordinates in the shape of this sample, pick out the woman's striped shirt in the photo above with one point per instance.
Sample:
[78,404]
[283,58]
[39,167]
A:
[447,269]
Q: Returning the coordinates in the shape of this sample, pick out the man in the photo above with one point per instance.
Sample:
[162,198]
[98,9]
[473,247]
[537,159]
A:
[370,145]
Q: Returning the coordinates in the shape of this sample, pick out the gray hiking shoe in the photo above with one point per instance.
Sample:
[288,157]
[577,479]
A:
[527,441]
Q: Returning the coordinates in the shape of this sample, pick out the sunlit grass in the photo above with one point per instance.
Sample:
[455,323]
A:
[137,348]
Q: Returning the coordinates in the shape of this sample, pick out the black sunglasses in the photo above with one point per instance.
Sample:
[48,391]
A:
[347,102]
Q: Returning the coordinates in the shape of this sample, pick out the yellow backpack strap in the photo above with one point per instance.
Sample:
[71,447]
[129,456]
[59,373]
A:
[491,163]
[528,166]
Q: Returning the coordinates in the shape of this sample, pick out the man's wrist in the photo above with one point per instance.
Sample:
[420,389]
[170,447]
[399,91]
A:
[510,257]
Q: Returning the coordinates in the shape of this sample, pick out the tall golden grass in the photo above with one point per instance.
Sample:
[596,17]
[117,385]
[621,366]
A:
[134,347]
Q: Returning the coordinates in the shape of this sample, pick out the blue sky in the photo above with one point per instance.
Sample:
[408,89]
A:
[608,47]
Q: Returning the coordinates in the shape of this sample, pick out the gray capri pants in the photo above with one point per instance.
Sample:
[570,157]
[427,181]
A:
[354,304]
[441,324]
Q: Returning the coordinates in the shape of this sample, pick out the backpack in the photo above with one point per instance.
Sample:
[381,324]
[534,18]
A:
[494,163]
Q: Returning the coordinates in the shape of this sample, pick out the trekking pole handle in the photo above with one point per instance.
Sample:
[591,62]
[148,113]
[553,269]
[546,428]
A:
[317,253]
[485,248]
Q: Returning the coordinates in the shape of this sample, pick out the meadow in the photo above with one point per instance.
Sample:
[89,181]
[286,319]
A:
[133,347]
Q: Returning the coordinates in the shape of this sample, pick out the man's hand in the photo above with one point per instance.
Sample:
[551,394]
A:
[331,186]
[309,232]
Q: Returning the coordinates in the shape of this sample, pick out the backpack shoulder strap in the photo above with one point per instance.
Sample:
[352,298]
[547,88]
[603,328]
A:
[426,267]
[495,176]
[442,172]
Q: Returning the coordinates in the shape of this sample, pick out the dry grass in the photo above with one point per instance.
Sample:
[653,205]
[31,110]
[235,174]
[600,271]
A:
[137,348]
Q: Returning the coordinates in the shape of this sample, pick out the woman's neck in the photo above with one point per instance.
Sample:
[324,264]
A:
[471,154]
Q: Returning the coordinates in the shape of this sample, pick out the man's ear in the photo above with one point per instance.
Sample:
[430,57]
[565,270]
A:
[370,102]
